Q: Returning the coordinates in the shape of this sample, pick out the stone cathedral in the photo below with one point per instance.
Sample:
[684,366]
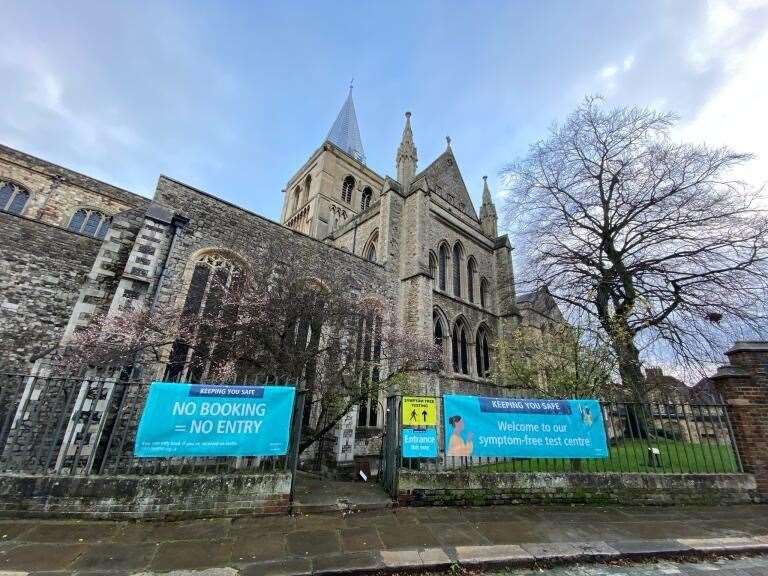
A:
[72,247]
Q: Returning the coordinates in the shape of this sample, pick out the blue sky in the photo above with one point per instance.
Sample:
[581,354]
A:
[232,97]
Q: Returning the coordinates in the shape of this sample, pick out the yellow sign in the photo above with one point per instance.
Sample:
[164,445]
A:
[419,411]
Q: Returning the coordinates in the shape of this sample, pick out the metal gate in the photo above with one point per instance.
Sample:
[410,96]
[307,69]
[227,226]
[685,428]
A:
[390,461]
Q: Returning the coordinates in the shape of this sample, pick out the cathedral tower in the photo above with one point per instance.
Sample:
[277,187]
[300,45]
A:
[334,185]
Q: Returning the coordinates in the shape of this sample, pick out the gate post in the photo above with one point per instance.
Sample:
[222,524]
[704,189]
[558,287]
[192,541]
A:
[296,426]
[744,386]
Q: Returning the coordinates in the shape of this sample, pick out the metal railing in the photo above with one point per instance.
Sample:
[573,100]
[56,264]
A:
[665,436]
[87,426]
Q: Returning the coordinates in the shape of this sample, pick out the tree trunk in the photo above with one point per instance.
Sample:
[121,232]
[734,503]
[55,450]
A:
[630,370]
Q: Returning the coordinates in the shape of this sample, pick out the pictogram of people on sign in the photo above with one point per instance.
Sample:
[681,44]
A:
[415,415]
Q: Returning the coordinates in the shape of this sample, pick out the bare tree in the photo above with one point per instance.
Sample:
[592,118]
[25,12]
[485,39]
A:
[292,317]
[654,242]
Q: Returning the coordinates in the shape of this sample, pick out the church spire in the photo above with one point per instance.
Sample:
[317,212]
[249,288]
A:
[406,155]
[345,133]
[488,212]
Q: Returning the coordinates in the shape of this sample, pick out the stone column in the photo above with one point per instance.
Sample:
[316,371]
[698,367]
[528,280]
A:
[744,386]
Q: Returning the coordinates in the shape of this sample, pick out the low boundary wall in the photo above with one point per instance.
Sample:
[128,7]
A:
[145,497]
[457,488]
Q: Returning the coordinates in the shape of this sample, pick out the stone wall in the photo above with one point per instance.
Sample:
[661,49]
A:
[145,497]
[56,192]
[214,223]
[41,270]
[463,489]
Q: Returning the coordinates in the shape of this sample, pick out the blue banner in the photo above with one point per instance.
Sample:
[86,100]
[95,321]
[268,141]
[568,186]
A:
[523,428]
[213,420]
[419,443]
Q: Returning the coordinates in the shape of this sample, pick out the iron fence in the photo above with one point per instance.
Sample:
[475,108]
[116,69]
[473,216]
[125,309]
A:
[87,426]
[668,435]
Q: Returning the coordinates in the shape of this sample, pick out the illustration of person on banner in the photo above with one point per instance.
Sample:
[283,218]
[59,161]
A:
[457,446]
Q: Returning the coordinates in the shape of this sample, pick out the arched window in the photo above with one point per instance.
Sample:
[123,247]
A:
[346,189]
[307,185]
[439,332]
[459,349]
[13,197]
[365,200]
[484,293]
[482,353]
[370,354]
[369,250]
[442,265]
[204,305]
[433,268]
[471,273]
[296,198]
[90,222]
[457,270]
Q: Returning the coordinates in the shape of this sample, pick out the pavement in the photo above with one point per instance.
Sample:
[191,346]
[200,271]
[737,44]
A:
[403,540]
[749,566]
[313,494]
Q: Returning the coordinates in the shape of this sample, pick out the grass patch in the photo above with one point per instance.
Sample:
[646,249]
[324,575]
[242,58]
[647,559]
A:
[632,456]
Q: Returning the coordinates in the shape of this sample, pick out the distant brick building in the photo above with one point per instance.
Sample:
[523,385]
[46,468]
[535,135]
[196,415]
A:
[72,247]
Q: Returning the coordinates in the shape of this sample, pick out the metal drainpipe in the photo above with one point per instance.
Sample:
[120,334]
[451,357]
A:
[178,226]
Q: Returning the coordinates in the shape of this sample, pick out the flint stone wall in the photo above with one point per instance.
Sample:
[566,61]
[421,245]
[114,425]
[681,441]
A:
[463,489]
[41,270]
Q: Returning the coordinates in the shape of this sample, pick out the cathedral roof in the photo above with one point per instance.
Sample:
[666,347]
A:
[445,180]
[345,133]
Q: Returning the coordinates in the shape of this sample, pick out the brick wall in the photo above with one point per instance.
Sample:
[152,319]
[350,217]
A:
[145,497]
[41,270]
[744,385]
[463,489]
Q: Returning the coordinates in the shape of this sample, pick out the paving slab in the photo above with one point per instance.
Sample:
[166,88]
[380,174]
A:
[400,537]
[206,572]
[400,559]
[36,557]
[112,556]
[457,534]
[262,525]
[312,542]
[192,554]
[12,530]
[434,558]
[718,544]
[552,551]
[71,532]
[372,518]
[360,539]
[258,548]
[595,550]
[213,529]
[494,554]
[288,567]
[348,563]
[645,548]
[498,532]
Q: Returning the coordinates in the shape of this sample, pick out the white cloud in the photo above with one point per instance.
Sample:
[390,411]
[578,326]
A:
[608,76]
[735,114]
[609,71]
